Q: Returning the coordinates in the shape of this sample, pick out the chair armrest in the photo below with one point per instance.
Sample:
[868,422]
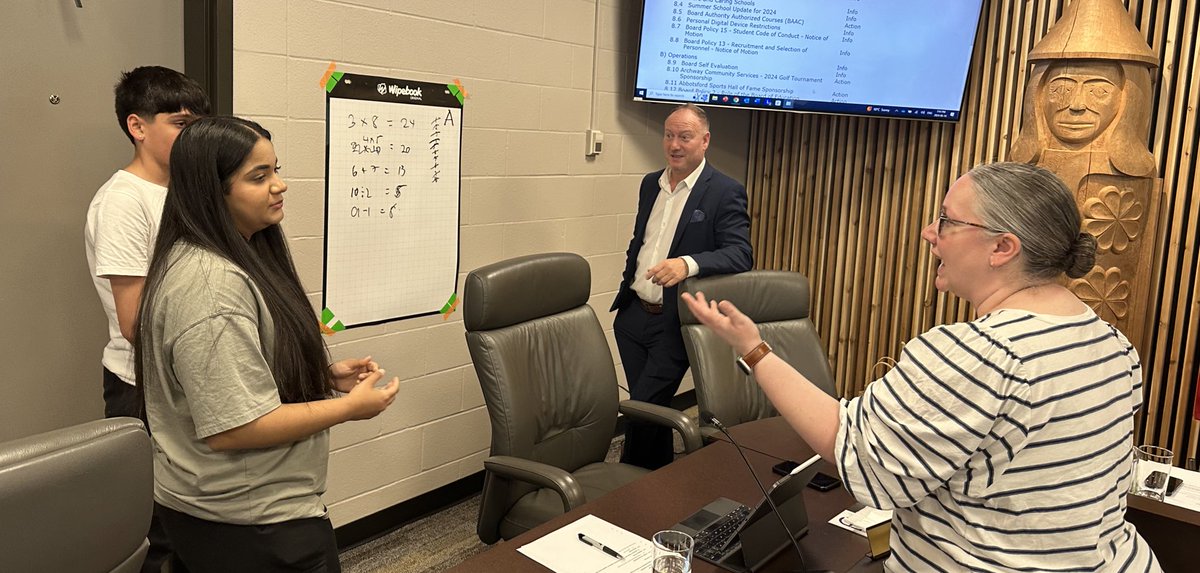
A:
[539,474]
[710,434]
[665,416]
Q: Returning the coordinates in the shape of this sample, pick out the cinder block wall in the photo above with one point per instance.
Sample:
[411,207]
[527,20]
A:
[527,186]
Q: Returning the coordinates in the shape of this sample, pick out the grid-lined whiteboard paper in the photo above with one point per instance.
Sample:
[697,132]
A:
[391,200]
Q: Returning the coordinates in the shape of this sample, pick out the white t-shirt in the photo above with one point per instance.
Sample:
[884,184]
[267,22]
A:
[122,224]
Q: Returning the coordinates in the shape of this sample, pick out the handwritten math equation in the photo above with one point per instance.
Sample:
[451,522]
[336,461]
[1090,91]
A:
[384,152]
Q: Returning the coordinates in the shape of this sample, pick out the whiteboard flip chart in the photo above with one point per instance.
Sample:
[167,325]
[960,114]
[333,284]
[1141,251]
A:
[392,198]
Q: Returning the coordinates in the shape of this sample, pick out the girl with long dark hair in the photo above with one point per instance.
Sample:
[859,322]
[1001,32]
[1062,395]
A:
[236,380]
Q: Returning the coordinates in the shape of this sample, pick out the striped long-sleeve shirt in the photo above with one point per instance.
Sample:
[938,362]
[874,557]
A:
[1003,444]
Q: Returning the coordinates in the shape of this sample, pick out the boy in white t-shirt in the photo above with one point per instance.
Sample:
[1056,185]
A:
[153,103]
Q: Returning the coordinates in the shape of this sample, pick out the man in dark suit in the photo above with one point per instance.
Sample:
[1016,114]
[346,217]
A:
[691,221]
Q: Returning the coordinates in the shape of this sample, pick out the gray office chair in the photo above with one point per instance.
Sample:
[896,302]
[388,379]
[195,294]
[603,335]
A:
[778,301]
[551,391]
[77,499]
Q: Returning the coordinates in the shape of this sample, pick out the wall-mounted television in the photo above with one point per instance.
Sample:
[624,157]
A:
[888,58]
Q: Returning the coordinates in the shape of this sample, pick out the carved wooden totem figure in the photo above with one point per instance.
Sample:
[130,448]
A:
[1086,117]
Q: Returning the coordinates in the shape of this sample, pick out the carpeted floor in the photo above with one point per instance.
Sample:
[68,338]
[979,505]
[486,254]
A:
[431,544]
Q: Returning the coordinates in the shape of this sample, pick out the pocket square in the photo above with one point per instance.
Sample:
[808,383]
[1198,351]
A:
[697,216]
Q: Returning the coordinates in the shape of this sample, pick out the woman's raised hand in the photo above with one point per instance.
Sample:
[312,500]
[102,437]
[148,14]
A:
[726,320]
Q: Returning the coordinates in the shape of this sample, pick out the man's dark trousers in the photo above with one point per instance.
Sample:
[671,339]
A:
[654,360]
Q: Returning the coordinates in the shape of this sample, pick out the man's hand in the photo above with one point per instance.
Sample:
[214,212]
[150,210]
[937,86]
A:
[349,372]
[668,273]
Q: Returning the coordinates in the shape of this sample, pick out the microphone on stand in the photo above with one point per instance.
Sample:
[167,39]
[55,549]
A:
[708,417]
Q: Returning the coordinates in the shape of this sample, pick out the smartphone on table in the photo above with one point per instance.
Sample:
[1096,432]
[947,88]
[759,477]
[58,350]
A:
[1155,479]
[785,467]
[819,482]
[824,482]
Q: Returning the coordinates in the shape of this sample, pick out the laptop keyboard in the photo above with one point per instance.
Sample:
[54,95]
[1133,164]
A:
[713,542]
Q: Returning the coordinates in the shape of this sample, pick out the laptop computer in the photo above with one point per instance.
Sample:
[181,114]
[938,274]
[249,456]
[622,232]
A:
[738,538]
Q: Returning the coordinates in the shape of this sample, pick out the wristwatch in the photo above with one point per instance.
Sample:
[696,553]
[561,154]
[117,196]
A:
[747,361]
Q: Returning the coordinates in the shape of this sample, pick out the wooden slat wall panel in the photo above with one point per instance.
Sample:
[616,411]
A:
[843,200]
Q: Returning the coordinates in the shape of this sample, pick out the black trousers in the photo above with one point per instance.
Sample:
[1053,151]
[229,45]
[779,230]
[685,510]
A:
[654,361]
[202,546]
[121,399]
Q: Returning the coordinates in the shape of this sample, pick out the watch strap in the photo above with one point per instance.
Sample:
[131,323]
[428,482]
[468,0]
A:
[747,361]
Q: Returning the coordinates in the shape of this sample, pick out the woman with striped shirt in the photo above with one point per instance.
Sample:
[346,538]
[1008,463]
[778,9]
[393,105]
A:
[1001,444]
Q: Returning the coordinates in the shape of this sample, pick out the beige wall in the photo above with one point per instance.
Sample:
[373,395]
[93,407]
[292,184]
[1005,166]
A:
[526,185]
[53,159]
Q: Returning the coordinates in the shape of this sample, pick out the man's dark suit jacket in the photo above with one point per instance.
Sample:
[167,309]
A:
[714,229]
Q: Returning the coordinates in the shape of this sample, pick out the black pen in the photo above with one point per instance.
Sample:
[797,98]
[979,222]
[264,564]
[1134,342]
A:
[600,546]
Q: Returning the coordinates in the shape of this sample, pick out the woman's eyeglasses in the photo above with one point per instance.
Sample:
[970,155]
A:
[943,219]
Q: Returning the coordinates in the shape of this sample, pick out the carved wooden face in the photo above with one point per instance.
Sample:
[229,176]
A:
[1081,99]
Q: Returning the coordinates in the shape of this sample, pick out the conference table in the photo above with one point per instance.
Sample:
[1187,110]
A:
[670,494]
[1171,530]
[667,496]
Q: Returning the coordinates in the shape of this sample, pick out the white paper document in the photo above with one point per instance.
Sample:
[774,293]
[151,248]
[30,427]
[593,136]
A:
[562,552]
[1188,494]
[862,520]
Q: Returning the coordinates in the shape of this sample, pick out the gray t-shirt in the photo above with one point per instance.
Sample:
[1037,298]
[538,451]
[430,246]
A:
[207,355]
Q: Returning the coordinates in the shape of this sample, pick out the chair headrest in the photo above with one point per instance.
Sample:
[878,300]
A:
[523,288]
[764,296]
[106,434]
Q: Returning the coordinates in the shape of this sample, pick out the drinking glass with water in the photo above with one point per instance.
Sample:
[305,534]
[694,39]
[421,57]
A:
[672,552]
